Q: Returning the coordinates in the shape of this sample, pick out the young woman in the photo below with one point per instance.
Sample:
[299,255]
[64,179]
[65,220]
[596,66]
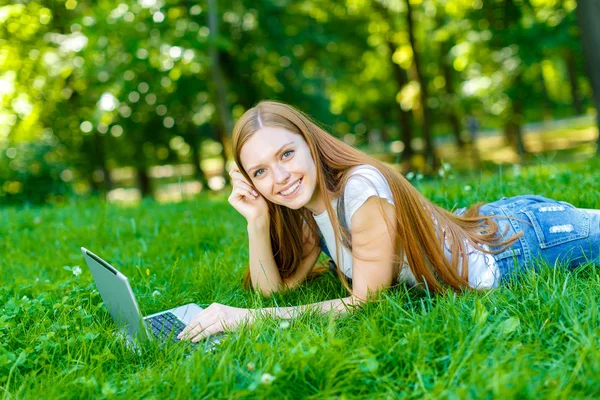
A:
[302,191]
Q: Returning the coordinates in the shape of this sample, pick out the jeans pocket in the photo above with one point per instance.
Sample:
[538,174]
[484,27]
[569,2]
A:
[557,223]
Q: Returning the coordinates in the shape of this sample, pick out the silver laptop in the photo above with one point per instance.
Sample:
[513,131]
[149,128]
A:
[121,304]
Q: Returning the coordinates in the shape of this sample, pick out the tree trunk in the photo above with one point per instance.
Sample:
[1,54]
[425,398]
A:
[224,120]
[512,129]
[141,165]
[404,117]
[448,76]
[143,182]
[430,155]
[225,142]
[100,163]
[198,172]
[572,73]
[546,104]
[588,15]
[193,140]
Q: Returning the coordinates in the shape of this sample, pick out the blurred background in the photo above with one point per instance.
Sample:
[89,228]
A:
[136,98]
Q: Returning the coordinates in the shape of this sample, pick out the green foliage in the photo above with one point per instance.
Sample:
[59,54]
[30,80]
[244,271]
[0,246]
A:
[537,337]
[115,83]
[34,173]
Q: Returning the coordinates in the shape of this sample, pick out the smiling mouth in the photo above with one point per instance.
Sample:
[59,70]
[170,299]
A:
[291,189]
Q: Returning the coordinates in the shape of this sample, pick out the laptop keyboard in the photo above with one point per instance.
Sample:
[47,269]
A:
[165,326]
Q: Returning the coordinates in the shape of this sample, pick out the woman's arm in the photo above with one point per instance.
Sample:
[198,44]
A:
[264,274]
[373,250]
[339,306]
[219,317]
[373,232]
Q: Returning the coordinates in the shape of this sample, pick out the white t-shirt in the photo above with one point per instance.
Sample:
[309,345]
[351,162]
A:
[366,181]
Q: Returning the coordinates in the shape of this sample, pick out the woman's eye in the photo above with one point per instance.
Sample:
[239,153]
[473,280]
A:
[287,151]
[256,173]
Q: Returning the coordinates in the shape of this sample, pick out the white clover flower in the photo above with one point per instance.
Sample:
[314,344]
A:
[410,175]
[76,270]
[24,298]
[419,177]
[284,324]
[155,293]
[446,166]
[441,172]
[267,379]
[468,187]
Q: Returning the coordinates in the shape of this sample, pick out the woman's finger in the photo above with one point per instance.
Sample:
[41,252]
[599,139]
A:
[245,186]
[198,334]
[190,331]
[209,331]
[192,325]
[233,170]
[185,334]
[238,195]
[238,175]
[241,192]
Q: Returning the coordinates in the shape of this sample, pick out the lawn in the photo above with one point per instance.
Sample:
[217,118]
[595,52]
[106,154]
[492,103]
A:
[536,338]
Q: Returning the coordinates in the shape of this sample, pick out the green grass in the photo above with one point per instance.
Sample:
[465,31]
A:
[537,338]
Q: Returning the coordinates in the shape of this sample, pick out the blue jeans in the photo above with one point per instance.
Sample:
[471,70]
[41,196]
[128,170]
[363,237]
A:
[553,232]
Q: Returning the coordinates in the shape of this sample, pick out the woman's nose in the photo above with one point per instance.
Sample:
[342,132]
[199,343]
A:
[281,175]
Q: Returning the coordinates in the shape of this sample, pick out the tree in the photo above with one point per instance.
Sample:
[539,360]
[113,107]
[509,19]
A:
[588,14]
[399,75]
[430,154]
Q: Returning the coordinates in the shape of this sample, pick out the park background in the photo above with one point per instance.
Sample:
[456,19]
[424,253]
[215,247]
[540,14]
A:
[115,122]
[138,98]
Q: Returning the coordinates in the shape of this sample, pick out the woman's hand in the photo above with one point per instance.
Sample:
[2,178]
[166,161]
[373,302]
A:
[215,318]
[245,198]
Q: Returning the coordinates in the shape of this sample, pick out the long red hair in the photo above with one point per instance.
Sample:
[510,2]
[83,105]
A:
[417,237]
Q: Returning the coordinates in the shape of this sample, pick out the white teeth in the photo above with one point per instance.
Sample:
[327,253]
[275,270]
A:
[291,190]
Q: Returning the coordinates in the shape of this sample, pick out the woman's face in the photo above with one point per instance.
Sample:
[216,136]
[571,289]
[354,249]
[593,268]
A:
[282,169]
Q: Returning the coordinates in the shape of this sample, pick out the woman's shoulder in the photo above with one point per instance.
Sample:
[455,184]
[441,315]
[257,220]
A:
[364,175]
[365,181]
[364,169]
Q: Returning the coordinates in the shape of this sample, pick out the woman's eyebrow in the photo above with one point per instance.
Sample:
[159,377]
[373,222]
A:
[276,154]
